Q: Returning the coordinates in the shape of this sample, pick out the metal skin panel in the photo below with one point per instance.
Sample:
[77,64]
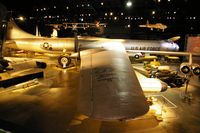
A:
[109,88]
[38,45]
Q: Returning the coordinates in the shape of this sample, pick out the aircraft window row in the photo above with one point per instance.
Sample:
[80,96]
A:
[146,48]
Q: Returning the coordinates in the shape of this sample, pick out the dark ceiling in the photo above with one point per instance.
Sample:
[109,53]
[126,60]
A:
[142,5]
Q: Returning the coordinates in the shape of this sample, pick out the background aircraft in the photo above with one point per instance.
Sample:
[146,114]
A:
[158,26]
[75,26]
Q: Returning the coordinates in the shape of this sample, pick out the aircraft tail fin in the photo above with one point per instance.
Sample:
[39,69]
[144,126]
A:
[175,38]
[147,22]
[14,32]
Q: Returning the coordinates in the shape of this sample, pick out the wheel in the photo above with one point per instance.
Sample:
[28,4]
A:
[64,61]
[136,56]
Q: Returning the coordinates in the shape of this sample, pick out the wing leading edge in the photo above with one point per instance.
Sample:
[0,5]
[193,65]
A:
[109,88]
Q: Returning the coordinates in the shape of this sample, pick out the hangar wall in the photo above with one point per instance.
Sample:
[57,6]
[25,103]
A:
[193,45]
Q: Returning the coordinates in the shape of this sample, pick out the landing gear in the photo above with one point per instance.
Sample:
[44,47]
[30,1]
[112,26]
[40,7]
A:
[187,96]
[64,61]
[136,56]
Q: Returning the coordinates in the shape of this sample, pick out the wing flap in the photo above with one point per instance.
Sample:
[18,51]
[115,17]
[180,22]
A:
[109,88]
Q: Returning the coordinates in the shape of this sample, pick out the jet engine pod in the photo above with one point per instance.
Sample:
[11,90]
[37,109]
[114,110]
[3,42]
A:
[185,68]
[196,69]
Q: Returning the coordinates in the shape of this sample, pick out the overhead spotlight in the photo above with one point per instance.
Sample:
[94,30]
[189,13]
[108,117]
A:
[21,18]
[129,4]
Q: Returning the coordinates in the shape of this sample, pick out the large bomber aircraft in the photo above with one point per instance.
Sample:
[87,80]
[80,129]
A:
[109,88]
[19,39]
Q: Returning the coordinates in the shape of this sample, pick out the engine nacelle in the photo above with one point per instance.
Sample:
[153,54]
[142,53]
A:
[196,69]
[185,68]
[188,69]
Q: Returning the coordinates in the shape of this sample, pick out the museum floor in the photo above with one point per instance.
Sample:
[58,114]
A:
[50,107]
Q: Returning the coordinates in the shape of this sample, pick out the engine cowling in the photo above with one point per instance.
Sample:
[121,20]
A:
[196,69]
[185,68]
[188,69]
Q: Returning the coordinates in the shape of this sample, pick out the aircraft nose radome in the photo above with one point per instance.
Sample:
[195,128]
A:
[177,47]
[164,87]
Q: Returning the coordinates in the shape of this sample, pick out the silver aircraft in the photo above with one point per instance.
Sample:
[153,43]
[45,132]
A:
[109,88]
[64,47]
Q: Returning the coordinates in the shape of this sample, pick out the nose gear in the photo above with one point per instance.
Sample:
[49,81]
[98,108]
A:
[64,61]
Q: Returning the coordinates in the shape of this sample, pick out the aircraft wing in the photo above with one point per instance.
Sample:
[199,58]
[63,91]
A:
[109,88]
[9,42]
[189,54]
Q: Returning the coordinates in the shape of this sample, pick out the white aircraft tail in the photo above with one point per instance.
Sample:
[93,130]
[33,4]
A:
[147,22]
[14,32]
[174,38]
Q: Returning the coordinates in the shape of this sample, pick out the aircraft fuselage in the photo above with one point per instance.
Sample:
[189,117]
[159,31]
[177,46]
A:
[47,45]
[130,44]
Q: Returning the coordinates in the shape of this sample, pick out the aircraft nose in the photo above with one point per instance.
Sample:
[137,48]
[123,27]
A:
[164,86]
[176,47]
